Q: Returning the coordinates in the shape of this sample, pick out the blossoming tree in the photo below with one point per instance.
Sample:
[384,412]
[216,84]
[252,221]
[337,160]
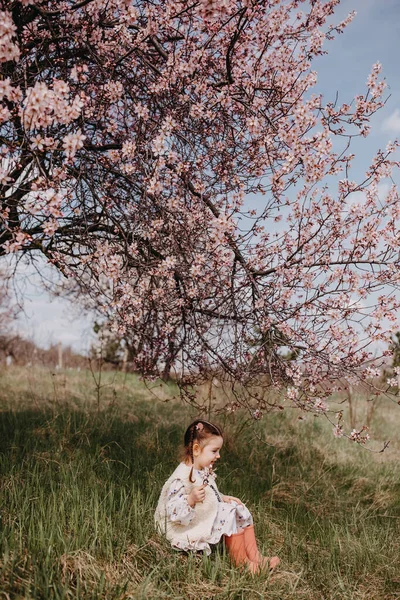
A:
[172,159]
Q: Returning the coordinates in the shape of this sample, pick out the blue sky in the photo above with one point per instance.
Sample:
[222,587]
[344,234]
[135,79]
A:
[373,36]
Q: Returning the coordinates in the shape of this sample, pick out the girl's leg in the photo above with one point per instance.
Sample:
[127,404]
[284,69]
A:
[254,554]
[237,551]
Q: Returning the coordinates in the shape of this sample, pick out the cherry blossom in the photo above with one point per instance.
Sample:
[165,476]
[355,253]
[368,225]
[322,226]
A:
[72,143]
[9,49]
[176,162]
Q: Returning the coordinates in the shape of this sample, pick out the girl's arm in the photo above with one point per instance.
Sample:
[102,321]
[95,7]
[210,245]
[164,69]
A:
[178,509]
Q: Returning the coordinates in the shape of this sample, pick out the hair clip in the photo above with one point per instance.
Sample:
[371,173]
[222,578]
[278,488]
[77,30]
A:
[199,427]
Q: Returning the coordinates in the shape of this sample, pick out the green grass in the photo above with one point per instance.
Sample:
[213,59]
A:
[79,481]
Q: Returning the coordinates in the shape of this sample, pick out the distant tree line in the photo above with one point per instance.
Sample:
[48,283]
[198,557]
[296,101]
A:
[15,350]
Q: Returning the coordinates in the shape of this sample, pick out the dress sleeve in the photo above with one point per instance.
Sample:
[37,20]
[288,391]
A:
[178,509]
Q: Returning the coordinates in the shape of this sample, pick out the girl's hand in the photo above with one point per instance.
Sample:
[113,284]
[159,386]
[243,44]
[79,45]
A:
[231,499]
[196,495]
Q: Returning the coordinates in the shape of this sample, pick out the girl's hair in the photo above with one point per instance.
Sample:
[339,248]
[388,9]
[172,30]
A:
[198,431]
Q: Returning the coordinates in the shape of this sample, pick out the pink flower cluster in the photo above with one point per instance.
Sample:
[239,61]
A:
[43,106]
[20,239]
[72,143]
[9,49]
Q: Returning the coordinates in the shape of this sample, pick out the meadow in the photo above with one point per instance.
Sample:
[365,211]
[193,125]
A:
[81,469]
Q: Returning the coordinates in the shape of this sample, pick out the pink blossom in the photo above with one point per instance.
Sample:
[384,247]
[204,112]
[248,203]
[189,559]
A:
[338,431]
[292,393]
[5,114]
[142,111]
[128,149]
[37,143]
[320,405]
[4,176]
[5,89]
[50,227]
[9,50]
[19,240]
[72,143]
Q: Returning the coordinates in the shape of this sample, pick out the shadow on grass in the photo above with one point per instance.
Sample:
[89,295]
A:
[144,449]
[136,445]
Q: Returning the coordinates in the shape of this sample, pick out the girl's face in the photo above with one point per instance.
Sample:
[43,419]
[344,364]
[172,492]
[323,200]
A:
[205,456]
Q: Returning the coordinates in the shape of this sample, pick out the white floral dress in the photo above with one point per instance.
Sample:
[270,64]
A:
[230,518]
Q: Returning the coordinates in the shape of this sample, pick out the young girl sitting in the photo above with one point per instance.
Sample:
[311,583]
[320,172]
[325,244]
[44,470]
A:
[193,514]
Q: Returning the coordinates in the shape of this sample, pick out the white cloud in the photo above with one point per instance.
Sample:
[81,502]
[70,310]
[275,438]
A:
[392,123]
[383,190]
[355,198]
[46,321]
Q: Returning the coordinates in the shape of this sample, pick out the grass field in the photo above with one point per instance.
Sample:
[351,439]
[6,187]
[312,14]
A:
[80,475]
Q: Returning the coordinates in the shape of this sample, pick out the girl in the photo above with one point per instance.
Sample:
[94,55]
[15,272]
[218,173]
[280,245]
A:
[193,514]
